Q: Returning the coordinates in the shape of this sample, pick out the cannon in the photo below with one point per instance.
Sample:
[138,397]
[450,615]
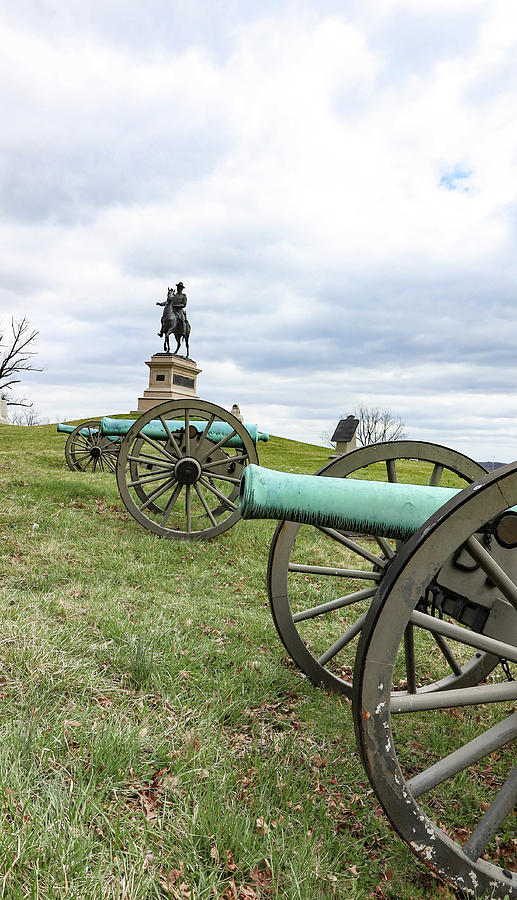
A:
[160,432]
[179,467]
[433,678]
[87,450]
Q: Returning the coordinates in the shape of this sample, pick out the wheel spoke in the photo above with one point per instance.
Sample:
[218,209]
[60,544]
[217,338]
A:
[352,545]
[206,507]
[187,440]
[188,508]
[224,462]
[229,478]
[158,447]
[219,444]
[500,807]
[491,740]
[464,636]
[81,439]
[339,603]
[436,475]
[345,639]
[157,493]
[471,696]
[148,478]
[492,569]
[109,463]
[203,434]
[150,461]
[217,493]
[391,469]
[447,653]
[170,436]
[339,573]
[170,504]
[385,546]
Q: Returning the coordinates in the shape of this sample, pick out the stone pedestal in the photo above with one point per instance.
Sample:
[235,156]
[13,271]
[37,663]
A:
[3,412]
[343,447]
[170,378]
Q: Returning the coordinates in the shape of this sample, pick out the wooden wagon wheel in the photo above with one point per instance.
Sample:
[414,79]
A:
[443,764]
[321,581]
[185,485]
[87,450]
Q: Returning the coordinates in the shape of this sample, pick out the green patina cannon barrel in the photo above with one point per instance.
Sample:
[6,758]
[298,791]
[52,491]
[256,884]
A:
[86,432]
[155,430]
[67,429]
[390,509]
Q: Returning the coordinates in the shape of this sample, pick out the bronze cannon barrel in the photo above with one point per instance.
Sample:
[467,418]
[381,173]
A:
[156,430]
[86,432]
[375,507]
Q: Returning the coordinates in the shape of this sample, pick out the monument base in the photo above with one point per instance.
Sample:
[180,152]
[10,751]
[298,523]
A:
[170,378]
[343,447]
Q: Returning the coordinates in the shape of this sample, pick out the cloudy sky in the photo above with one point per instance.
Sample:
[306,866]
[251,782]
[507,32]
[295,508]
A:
[334,182]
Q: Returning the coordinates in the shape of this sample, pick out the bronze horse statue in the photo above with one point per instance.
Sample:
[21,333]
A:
[174,321]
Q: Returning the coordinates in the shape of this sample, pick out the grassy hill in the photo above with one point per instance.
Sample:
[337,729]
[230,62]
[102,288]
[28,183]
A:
[155,739]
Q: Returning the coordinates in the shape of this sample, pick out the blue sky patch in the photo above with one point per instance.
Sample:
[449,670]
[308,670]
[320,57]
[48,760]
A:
[456,179]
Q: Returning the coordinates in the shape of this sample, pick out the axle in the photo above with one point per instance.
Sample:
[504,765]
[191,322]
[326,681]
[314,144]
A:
[374,507]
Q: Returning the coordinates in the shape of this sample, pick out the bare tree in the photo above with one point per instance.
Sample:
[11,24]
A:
[378,425]
[16,357]
[28,416]
[374,425]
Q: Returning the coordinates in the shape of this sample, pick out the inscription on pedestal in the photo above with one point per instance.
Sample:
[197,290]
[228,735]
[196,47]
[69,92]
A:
[183,380]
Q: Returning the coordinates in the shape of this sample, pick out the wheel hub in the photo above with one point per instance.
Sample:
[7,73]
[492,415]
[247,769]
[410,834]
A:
[95,452]
[187,470]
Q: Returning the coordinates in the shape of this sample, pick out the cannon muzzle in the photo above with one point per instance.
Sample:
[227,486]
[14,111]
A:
[155,430]
[374,507]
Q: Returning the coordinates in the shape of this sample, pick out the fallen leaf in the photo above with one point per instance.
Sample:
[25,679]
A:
[261,825]
[230,862]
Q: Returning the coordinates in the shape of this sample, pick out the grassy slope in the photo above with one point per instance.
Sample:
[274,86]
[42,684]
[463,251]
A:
[155,740]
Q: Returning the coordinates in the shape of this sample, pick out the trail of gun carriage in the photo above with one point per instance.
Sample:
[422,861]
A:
[238,679]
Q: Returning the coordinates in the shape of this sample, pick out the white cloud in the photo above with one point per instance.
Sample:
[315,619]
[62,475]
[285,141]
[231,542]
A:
[290,177]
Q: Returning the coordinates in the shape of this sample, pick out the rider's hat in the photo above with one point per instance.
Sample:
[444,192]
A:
[180,284]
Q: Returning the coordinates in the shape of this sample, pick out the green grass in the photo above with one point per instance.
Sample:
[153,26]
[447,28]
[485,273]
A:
[155,739]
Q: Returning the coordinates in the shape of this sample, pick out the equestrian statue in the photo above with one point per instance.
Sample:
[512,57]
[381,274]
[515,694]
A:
[174,319]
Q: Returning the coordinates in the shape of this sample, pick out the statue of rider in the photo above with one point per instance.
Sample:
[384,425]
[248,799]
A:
[178,301]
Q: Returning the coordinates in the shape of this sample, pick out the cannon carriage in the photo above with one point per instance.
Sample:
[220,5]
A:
[179,467]
[433,674]
[87,450]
